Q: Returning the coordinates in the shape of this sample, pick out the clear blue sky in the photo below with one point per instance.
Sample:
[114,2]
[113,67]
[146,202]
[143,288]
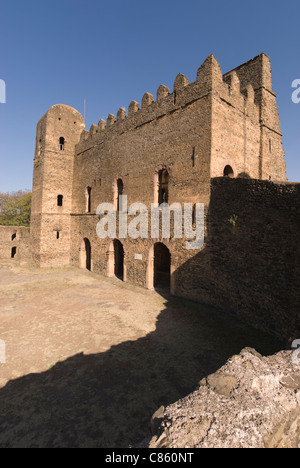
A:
[111,52]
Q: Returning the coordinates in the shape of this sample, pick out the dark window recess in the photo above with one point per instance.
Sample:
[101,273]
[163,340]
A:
[61,143]
[13,252]
[13,237]
[163,194]
[120,187]
[193,157]
[60,200]
[194,215]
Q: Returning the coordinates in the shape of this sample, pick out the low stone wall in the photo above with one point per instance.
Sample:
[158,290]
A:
[15,243]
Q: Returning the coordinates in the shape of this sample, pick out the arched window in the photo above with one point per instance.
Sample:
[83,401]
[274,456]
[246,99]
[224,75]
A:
[194,214]
[161,186]
[163,191]
[60,199]
[14,235]
[120,187]
[228,172]
[61,143]
[88,196]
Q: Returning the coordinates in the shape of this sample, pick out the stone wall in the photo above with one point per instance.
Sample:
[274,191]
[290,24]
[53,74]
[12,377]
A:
[173,133]
[15,241]
[251,261]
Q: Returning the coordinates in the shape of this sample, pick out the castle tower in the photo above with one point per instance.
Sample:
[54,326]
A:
[247,140]
[57,134]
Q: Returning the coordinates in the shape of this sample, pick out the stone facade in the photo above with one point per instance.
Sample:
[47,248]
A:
[175,147]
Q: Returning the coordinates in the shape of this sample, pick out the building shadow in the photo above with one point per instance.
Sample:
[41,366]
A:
[107,399]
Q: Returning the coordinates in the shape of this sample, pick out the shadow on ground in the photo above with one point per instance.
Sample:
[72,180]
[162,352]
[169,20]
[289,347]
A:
[107,400]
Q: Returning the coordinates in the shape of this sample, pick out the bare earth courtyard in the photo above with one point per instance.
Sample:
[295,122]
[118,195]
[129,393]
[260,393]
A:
[90,359]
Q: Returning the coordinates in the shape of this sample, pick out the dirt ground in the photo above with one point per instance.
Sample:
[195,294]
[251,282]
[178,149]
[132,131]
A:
[90,359]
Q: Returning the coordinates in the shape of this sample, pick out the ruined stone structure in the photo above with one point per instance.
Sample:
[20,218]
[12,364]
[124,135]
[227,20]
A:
[184,147]
[15,243]
[251,402]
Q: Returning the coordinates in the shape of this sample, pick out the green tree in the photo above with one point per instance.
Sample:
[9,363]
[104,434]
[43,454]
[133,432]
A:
[15,209]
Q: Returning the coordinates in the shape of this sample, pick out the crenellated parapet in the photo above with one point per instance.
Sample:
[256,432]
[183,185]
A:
[238,88]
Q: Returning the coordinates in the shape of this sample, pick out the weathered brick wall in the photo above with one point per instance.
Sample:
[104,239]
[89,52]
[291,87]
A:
[17,237]
[252,268]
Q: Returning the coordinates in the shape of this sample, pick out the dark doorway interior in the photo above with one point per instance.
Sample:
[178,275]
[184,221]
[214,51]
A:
[228,172]
[119,260]
[88,253]
[13,252]
[162,266]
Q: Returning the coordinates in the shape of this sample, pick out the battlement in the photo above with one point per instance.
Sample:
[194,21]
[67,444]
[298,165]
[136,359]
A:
[239,88]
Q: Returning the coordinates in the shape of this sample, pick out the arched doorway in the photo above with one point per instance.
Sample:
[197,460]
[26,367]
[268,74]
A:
[228,172]
[86,255]
[119,259]
[162,266]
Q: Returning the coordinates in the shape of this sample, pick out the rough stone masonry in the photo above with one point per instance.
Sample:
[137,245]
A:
[251,402]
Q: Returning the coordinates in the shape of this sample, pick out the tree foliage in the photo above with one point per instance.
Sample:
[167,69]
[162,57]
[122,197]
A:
[15,208]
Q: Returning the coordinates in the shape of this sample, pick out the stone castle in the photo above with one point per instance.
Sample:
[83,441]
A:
[215,141]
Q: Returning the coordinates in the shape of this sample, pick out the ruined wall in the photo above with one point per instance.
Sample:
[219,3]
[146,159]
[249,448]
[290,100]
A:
[252,262]
[18,238]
